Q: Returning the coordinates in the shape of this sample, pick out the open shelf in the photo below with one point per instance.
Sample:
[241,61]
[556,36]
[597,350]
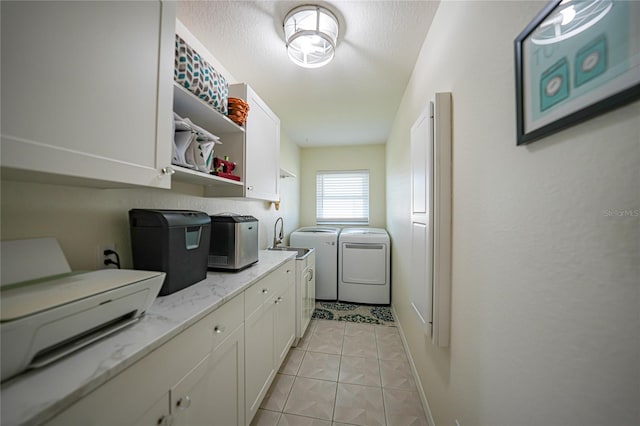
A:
[186,175]
[284,173]
[187,105]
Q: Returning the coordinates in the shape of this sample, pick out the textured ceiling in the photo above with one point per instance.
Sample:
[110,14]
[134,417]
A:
[352,100]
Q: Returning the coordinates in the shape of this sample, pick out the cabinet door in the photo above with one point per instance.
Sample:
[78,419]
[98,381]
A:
[262,158]
[285,323]
[86,91]
[157,415]
[190,397]
[227,378]
[259,357]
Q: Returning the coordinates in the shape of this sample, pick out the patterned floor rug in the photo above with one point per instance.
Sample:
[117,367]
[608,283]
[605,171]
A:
[340,311]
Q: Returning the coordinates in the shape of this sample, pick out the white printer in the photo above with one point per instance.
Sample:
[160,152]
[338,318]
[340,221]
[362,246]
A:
[47,311]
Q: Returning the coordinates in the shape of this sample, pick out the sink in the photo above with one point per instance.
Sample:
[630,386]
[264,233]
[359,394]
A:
[302,252]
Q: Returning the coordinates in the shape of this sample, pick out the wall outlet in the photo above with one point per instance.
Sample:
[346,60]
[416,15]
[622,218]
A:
[101,257]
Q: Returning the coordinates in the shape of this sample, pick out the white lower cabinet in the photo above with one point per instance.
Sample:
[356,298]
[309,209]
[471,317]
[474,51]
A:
[194,379]
[158,414]
[226,394]
[285,324]
[259,356]
[269,332]
[216,372]
[190,396]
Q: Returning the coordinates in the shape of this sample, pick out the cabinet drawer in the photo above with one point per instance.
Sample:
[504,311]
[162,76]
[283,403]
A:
[268,287]
[225,319]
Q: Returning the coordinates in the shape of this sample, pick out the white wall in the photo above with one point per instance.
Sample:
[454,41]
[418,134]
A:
[83,218]
[360,157]
[546,282]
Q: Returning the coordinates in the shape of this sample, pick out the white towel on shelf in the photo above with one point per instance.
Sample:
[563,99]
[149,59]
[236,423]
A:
[193,146]
[181,144]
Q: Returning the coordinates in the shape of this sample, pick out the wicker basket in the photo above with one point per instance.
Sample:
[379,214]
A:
[238,110]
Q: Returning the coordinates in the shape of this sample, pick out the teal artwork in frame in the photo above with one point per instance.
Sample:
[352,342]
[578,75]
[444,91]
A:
[554,84]
[591,61]
[575,60]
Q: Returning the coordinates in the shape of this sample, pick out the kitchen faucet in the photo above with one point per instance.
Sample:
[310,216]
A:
[277,238]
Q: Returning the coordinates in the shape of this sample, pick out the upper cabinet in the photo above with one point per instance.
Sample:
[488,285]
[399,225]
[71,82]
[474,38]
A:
[258,153]
[86,97]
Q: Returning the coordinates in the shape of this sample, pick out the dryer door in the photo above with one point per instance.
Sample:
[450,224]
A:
[364,263]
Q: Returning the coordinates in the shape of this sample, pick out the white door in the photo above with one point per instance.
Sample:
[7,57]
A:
[262,150]
[421,290]
[430,290]
[259,357]
[285,322]
[190,405]
[227,378]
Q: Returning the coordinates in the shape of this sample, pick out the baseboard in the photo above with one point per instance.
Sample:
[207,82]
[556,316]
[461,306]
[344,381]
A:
[416,377]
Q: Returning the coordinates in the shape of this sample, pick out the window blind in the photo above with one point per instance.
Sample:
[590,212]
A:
[342,197]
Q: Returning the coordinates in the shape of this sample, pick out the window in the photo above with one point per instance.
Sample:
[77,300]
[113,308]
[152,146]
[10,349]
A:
[342,197]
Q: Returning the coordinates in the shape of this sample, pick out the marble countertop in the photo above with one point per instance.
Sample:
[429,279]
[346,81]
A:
[37,395]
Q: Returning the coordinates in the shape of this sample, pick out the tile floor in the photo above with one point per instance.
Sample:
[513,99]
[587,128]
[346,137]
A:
[344,373]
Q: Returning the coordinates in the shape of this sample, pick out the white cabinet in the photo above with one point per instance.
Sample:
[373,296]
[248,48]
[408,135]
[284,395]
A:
[85,93]
[285,324]
[226,395]
[216,372]
[258,154]
[194,378]
[269,332]
[189,398]
[259,356]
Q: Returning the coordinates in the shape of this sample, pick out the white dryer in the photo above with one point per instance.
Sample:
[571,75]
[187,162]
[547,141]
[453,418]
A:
[325,241]
[364,273]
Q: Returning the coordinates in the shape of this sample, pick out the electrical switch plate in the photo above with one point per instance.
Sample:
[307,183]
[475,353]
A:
[100,256]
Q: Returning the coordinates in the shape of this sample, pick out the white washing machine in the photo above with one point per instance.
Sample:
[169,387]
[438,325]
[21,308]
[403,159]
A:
[364,273]
[325,241]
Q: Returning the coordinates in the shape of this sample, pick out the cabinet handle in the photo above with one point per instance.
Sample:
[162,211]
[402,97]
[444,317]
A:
[278,300]
[184,403]
[249,188]
[265,290]
[168,170]
[165,421]
[310,275]
[218,329]
[288,271]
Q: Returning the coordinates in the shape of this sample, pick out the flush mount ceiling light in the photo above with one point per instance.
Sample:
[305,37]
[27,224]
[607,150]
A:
[311,33]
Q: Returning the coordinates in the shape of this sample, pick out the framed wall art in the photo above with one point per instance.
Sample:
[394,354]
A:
[575,60]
